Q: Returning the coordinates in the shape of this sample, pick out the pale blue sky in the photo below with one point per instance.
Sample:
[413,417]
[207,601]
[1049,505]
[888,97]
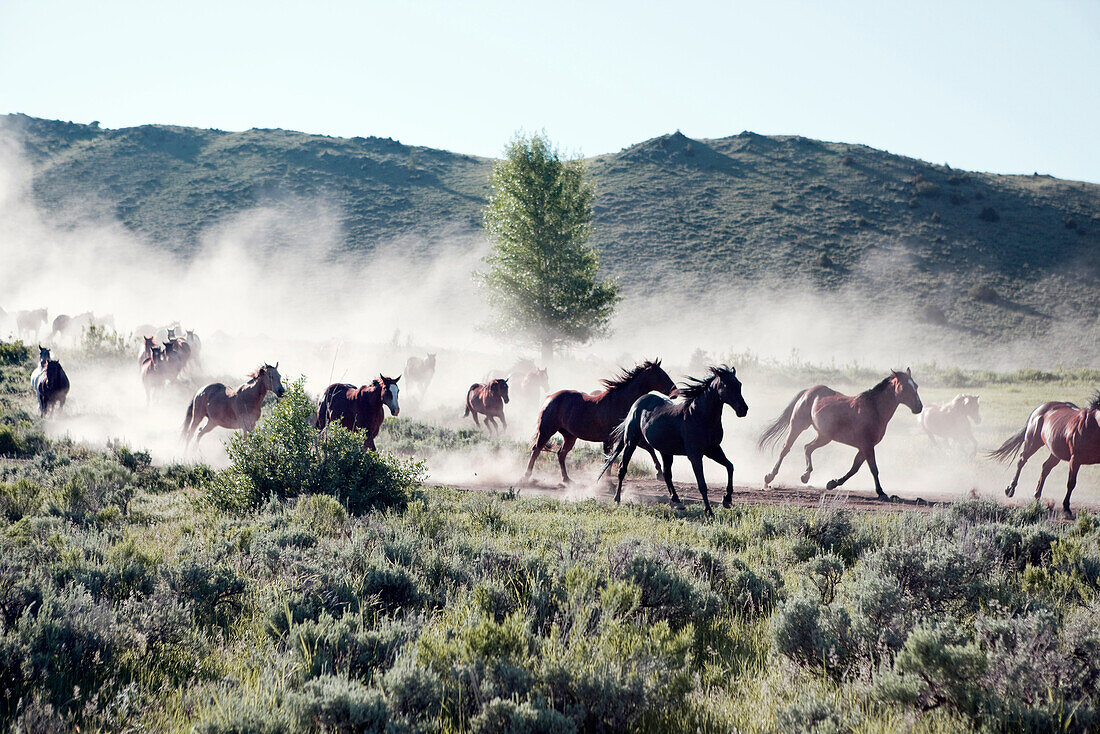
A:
[1000,86]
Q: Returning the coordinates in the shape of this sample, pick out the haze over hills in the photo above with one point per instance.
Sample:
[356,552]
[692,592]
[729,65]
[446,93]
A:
[973,253]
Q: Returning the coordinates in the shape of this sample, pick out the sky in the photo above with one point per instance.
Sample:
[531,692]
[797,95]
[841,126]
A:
[1007,87]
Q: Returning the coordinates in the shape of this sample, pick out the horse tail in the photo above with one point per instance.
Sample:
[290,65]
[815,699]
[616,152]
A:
[322,413]
[771,435]
[618,435]
[1009,448]
[467,413]
[185,434]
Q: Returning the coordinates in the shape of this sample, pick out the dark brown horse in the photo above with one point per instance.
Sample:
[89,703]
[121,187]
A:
[1072,434]
[577,415]
[691,428]
[235,409]
[534,385]
[51,386]
[858,421]
[154,372]
[419,373]
[488,399]
[359,408]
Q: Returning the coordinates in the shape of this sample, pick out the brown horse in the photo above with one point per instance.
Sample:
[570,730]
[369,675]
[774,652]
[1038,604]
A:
[51,385]
[859,422]
[951,421]
[359,407]
[577,415]
[1072,434]
[154,372]
[534,385]
[236,409]
[488,399]
[174,359]
[419,373]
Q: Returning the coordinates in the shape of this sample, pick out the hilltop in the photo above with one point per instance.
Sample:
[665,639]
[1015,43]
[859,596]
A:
[977,251]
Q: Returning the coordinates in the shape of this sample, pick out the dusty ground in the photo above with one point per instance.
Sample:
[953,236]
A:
[653,491]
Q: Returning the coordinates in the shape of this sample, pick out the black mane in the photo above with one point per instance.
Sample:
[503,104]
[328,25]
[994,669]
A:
[625,376]
[879,387]
[693,387]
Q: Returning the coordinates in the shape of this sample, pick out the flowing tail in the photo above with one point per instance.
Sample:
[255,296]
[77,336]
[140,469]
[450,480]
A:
[322,413]
[1009,448]
[770,437]
[467,413]
[185,434]
[618,435]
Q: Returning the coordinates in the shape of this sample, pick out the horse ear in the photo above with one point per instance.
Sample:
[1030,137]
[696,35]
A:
[396,379]
[276,364]
[908,372]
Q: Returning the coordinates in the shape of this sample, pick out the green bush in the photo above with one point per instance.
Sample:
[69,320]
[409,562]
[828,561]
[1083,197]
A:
[20,442]
[333,704]
[15,353]
[285,457]
[102,343]
[813,635]
[20,498]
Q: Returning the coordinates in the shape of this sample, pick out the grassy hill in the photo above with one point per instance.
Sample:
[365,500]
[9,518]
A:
[973,251]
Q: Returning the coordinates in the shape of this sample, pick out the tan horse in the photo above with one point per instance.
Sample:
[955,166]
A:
[858,421]
[951,421]
[236,409]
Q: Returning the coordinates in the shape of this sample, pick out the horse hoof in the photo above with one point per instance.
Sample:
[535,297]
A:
[678,505]
[831,484]
[727,503]
[806,477]
[768,479]
[883,497]
[1009,491]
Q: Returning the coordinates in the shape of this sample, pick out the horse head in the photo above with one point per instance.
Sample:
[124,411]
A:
[970,405]
[390,393]
[905,390]
[270,374]
[499,388]
[430,361]
[43,355]
[729,389]
[654,377]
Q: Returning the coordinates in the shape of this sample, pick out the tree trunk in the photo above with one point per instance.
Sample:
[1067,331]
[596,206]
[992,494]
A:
[547,351]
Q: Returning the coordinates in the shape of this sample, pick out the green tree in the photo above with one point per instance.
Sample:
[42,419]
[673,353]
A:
[542,278]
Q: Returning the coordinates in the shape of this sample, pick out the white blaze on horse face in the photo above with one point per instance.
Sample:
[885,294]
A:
[394,390]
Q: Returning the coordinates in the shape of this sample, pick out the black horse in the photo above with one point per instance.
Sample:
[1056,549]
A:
[51,385]
[691,428]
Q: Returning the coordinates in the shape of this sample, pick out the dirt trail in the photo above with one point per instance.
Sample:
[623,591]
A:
[652,492]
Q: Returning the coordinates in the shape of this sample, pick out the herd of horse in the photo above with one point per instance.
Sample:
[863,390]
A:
[640,407]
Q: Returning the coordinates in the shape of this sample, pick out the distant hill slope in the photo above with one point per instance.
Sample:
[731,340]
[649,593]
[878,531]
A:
[986,252]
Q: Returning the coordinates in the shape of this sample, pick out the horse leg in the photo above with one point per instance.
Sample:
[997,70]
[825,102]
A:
[368,443]
[1073,467]
[715,453]
[697,466]
[628,451]
[675,498]
[477,423]
[834,483]
[869,453]
[541,437]
[793,432]
[1048,465]
[210,426]
[566,447]
[812,446]
[1032,443]
[503,421]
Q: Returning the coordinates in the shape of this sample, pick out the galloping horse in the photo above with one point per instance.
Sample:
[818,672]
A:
[51,385]
[30,322]
[488,399]
[154,371]
[1072,434]
[577,415]
[174,359]
[691,428]
[951,420]
[63,325]
[359,407]
[236,409]
[859,422]
[534,385]
[419,373]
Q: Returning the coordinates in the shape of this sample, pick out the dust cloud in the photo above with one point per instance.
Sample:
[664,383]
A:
[275,284]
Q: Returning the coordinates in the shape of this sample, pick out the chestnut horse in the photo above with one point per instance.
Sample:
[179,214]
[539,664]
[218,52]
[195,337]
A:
[51,385]
[691,428]
[859,422]
[154,371]
[419,373]
[359,407]
[592,417]
[1072,434]
[534,385]
[488,399]
[951,421]
[236,409]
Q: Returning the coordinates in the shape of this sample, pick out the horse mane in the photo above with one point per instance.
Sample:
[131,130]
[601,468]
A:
[879,387]
[625,376]
[694,386]
[255,374]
